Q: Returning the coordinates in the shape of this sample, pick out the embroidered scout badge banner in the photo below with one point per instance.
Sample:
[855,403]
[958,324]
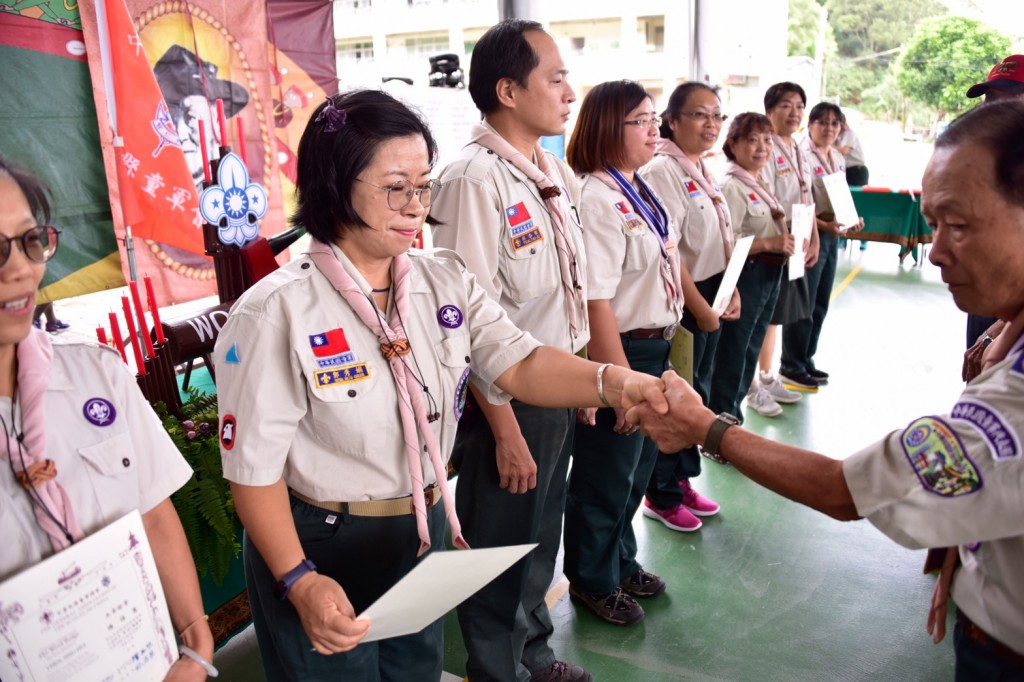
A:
[1002,440]
[938,458]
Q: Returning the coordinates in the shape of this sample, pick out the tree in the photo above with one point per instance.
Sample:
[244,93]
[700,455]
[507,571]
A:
[804,19]
[946,56]
[867,27]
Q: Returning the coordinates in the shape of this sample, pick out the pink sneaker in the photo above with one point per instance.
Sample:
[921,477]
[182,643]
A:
[677,518]
[695,502]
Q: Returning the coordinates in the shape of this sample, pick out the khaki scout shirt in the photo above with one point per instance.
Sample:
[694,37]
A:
[494,218]
[958,479]
[693,217]
[311,397]
[783,177]
[750,215]
[624,260]
[112,453]
[822,204]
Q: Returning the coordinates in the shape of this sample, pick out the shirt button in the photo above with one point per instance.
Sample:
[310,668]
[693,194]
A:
[305,266]
[467,359]
[533,250]
[351,393]
[489,151]
[126,462]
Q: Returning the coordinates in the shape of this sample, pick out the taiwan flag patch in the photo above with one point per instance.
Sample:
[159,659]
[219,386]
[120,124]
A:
[753,199]
[780,161]
[517,214]
[329,343]
[819,171]
[692,189]
[623,209]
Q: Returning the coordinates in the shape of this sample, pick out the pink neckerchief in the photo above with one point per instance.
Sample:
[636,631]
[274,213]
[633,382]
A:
[37,474]
[394,343]
[825,157]
[797,165]
[764,193]
[702,176]
[543,177]
[670,267]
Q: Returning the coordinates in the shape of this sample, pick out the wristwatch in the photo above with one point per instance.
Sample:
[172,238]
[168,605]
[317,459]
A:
[284,585]
[718,428]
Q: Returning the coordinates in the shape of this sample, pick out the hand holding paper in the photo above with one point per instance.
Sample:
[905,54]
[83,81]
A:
[327,615]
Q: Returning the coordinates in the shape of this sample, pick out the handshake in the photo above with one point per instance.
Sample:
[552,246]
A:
[667,410]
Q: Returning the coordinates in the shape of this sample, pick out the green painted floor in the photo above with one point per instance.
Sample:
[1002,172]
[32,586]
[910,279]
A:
[769,590]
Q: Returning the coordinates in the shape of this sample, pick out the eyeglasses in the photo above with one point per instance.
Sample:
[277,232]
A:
[38,244]
[828,124]
[401,193]
[704,116]
[645,122]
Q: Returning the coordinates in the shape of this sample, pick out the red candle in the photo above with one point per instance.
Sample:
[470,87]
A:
[241,142]
[101,335]
[154,310]
[140,312]
[202,146]
[133,337]
[223,123]
[115,331]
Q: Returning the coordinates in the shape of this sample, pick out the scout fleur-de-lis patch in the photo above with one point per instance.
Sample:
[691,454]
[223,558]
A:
[938,458]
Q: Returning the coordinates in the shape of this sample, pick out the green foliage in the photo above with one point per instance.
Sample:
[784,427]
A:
[204,504]
[865,27]
[804,17]
[945,57]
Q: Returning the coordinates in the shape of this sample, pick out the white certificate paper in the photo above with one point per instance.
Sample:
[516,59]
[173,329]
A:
[437,585]
[732,274]
[842,200]
[800,226]
[95,611]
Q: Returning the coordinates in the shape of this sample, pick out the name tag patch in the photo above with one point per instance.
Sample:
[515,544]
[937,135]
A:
[938,458]
[342,375]
[523,240]
[1002,441]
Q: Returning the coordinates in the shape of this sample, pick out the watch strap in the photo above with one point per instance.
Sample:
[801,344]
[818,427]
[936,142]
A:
[283,586]
[713,439]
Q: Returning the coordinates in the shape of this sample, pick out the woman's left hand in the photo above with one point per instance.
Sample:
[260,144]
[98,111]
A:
[733,310]
[185,670]
[811,252]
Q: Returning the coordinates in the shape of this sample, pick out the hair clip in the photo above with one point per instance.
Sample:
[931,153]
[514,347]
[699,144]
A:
[334,117]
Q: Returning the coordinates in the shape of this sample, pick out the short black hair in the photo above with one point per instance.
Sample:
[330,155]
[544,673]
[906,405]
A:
[747,123]
[998,128]
[819,110]
[330,162]
[774,94]
[677,100]
[502,52]
[31,187]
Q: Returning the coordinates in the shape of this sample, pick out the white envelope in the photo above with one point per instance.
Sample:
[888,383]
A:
[800,226]
[842,200]
[732,274]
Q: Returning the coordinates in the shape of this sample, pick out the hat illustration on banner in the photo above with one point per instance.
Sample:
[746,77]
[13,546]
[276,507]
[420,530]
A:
[1007,76]
[178,73]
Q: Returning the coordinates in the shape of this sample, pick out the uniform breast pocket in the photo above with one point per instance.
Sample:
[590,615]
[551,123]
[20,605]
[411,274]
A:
[453,354]
[642,250]
[347,405]
[530,263]
[113,471]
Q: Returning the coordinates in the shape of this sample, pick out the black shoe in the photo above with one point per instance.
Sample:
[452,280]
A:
[560,670]
[642,584]
[822,377]
[799,380]
[615,607]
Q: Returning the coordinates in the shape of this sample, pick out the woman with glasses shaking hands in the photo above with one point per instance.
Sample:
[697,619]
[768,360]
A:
[635,303]
[700,217]
[82,447]
[341,380]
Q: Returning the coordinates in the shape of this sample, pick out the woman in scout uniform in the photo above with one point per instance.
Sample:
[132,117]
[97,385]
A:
[755,212]
[82,446]
[342,378]
[635,303]
[800,339]
[689,129]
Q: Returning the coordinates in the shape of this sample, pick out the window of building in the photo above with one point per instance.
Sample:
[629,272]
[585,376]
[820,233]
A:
[356,4]
[355,51]
[425,46]
[652,30]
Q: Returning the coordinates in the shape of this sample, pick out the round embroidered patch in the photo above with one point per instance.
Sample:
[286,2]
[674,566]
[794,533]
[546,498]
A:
[449,316]
[227,432]
[461,389]
[99,411]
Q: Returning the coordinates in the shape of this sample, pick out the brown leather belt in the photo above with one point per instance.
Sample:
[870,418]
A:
[399,506]
[664,333]
[972,631]
[768,258]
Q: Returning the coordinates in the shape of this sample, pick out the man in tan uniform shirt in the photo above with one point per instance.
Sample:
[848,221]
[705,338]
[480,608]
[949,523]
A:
[948,480]
[513,459]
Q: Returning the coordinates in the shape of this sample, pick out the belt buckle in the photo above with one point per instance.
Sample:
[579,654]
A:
[669,332]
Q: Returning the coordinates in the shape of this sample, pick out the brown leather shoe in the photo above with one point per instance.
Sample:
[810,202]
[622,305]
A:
[616,607]
[560,670]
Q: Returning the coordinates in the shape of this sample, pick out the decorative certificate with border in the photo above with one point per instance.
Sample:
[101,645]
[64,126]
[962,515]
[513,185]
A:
[95,611]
